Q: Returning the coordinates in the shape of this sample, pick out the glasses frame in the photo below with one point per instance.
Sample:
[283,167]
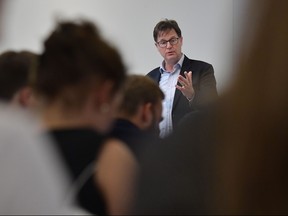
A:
[172,41]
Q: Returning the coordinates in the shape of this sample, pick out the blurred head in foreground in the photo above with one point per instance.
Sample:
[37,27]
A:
[15,69]
[254,155]
[79,77]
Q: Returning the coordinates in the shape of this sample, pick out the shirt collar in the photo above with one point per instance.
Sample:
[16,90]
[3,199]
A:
[177,65]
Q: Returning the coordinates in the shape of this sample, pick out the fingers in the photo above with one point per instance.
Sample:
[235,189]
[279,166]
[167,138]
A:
[186,84]
[188,76]
[187,80]
[180,88]
[182,85]
[183,81]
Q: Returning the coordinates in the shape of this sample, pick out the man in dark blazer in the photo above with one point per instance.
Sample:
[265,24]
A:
[187,84]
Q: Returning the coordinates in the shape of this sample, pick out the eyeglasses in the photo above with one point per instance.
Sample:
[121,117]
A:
[163,43]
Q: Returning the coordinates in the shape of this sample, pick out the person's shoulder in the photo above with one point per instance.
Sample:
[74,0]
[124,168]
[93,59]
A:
[197,62]
[153,72]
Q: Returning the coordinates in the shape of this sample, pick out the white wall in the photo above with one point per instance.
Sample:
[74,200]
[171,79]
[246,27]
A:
[207,28]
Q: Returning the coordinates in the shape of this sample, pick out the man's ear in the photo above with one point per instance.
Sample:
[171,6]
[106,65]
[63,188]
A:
[102,94]
[181,40]
[147,115]
[23,97]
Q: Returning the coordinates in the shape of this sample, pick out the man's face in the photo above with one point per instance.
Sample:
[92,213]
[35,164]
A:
[157,117]
[171,53]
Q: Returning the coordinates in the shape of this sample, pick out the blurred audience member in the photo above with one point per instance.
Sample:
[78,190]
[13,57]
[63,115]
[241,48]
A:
[15,68]
[33,180]
[78,82]
[231,159]
[137,125]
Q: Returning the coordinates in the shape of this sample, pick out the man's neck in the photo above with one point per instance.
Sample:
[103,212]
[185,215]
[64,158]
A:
[135,119]
[169,66]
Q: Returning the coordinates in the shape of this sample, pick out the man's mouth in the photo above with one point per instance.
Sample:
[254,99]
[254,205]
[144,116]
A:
[170,53]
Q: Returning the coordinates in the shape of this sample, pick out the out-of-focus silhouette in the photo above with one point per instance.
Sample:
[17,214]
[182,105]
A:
[231,158]
[15,68]
[136,126]
[33,179]
[77,86]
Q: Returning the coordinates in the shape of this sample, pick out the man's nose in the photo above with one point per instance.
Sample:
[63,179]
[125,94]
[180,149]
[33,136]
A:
[168,45]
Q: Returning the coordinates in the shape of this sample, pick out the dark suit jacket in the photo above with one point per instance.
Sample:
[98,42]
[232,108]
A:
[204,84]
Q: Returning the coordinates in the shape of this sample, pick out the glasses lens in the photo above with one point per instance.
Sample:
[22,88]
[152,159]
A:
[162,43]
[173,41]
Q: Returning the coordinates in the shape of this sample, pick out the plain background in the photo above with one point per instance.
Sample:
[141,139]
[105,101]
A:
[211,28]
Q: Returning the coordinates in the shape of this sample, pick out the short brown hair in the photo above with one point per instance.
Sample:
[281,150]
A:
[165,25]
[14,71]
[138,90]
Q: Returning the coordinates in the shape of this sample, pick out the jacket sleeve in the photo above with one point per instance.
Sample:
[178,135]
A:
[205,90]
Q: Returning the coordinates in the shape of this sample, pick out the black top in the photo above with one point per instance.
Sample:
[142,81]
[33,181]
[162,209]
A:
[135,138]
[79,148]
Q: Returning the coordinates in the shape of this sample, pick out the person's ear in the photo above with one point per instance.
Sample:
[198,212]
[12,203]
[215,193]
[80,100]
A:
[146,115]
[181,40]
[23,97]
[102,96]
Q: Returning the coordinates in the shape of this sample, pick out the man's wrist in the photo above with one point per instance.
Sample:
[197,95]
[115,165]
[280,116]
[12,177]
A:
[190,99]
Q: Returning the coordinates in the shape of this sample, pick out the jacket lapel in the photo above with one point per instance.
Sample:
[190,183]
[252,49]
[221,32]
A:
[155,75]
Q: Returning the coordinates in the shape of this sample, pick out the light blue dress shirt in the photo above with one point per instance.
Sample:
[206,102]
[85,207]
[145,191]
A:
[167,83]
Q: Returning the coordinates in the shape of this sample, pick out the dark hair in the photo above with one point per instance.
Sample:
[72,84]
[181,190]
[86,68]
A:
[76,57]
[138,90]
[14,72]
[164,26]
